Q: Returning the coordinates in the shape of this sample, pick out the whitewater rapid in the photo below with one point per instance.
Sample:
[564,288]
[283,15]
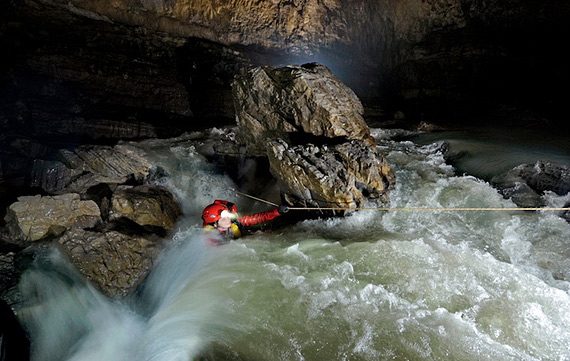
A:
[371,286]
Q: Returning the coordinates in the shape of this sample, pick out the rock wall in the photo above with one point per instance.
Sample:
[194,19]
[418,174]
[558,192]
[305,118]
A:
[128,62]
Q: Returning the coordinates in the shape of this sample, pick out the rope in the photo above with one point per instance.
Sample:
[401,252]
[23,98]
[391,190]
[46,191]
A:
[427,209]
[414,209]
[258,199]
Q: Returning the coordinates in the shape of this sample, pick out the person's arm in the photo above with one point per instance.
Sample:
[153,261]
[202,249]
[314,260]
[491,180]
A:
[262,217]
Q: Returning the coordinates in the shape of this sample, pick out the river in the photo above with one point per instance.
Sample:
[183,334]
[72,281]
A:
[371,286]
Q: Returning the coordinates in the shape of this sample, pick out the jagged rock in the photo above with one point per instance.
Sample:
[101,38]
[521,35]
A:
[310,126]
[146,206]
[35,217]
[8,274]
[522,195]
[114,262]
[52,176]
[526,183]
[344,175]
[89,166]
[544,176]
[295,101]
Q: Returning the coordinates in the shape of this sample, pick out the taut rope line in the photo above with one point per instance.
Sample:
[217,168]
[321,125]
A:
[258,199]
[427,209]
[415,209]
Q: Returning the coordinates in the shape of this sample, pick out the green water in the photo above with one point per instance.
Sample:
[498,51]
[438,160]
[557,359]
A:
[372,286]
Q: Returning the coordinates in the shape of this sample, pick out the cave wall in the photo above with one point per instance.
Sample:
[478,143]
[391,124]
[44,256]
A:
[96,71]
[140,68]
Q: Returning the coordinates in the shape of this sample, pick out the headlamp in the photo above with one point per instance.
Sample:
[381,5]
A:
[228,214]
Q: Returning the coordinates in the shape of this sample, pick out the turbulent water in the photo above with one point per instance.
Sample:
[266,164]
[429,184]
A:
[371,286]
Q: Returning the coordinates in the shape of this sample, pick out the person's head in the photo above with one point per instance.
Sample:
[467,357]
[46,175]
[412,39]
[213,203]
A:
[219,214]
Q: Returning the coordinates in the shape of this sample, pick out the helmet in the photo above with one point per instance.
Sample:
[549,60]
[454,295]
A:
[212,213]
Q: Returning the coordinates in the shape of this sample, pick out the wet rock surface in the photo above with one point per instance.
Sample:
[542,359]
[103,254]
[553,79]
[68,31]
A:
[345,175]
[146,206]
[116,263]
[527,183]
[112,197]
[32,218]
[8,274]
[544,176]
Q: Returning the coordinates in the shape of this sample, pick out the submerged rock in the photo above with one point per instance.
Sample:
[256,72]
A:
[344,175]
[146,206]
[522,195]
[295,101]
[35,217]
[545,176]
[526,183]
[116,263]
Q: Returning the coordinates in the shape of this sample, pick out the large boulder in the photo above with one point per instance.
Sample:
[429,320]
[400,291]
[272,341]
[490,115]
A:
[310,126]
[87,166]
[35,217]
[345,175]
[146,206]
[116,263]
[295,101]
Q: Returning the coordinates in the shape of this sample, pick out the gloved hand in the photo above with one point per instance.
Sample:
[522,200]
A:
[283,209]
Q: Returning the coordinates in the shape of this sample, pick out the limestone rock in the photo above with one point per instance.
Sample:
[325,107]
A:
[88,166]
[344,175]
[146,206]
[295,101]
[114,262]
[35,217]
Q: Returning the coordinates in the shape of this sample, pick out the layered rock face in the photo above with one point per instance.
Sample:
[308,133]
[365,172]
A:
[88,166]
[110,227]
[310,127]
[347,175]
[296,100]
